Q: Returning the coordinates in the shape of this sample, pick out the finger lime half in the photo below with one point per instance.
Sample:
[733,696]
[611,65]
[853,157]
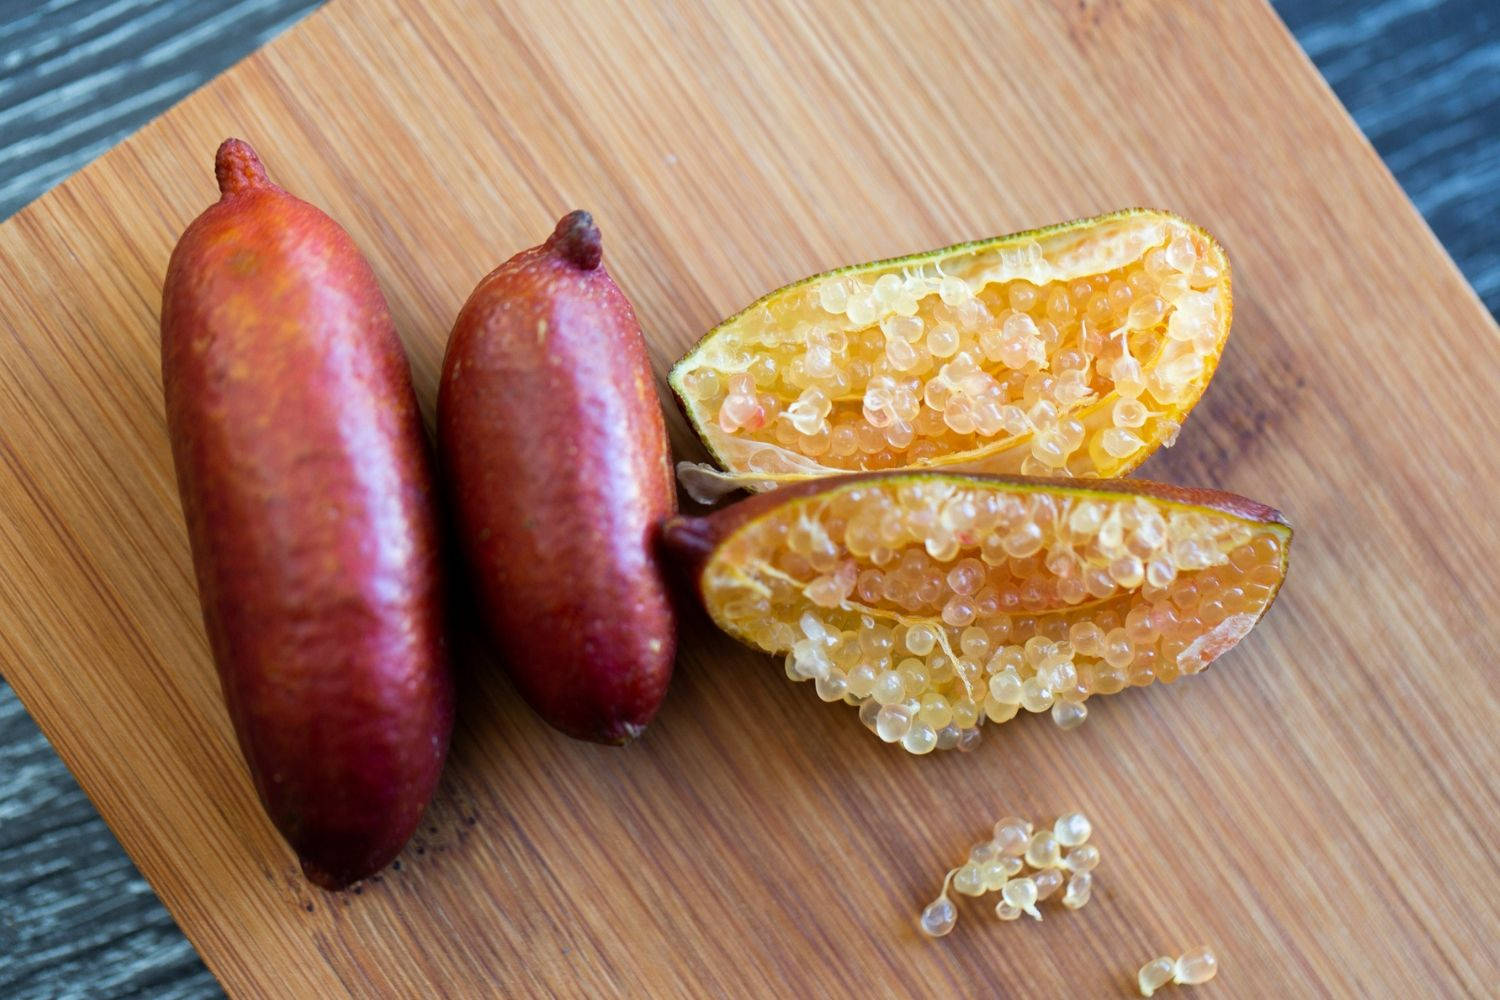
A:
[1071,351]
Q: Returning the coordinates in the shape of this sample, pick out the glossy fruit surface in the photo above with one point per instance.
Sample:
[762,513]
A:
[308,493]
[1075,350]
[935,600]
[556,463]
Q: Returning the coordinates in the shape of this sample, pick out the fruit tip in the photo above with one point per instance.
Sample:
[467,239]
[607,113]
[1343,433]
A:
[577,239]
[323,878]
[611,733]
[237,168]
[627,733]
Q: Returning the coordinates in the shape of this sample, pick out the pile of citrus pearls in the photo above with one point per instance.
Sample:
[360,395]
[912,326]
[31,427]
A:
[936,604]
[1057,857]
[891,370]
[1191,968]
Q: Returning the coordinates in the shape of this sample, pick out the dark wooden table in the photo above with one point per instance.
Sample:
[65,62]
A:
[1422,78]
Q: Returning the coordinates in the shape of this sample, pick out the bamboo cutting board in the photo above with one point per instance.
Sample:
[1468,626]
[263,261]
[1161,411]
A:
[1320,807]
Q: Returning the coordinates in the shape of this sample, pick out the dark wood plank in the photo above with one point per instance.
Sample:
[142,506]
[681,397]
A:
[74,914]
[77,76]
[1422,79]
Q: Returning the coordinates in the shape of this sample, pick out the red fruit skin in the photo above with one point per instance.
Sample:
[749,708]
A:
[308,493]
[555,458]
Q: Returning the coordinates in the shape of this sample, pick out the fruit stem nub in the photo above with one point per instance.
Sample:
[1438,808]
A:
[576,238]
[690,537]
[237,168]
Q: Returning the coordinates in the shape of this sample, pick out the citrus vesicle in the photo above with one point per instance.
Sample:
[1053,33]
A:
[935,600]
[1074,350]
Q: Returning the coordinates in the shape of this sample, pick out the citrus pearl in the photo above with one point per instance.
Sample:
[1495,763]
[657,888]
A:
[833,687]
[1034,696]
[1048,881]
[1042,851]
[1021,893]
[1195,967]
[1154,975]
[936,711]
[998,712]
[1012,835]
[891,723]
[939,917]
[983,852]
[953,291]
[969,880]
[833,296]
[889,687]
[920,738]
[1080,887]
[965,713]
[1072,829]
[1005,687]
[996,872]
[1069,714]
[920,639]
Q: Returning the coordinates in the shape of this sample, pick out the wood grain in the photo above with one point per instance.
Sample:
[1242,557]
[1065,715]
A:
[1316,807]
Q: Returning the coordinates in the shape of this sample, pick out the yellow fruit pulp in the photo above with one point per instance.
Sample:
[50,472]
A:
[945,599]
[1069,351]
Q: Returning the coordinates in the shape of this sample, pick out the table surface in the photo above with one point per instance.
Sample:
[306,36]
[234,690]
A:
[74,916]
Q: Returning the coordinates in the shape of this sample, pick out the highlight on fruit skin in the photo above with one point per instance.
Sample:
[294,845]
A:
[934,601]
[1074,350]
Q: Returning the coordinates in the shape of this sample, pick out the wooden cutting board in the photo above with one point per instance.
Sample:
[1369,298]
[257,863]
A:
[1320,807]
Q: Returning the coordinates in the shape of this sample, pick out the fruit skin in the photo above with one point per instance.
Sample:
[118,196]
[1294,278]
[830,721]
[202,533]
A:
[309,498]
[693,539]
[555,457]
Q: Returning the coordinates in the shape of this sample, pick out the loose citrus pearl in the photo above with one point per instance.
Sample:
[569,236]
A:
[1012,835]
[1154,975]
[1080,886]
[1048,881]
[969,880]
[939,917]
[1042,851]
[1195,967]
[1021,893]
[1072,829]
